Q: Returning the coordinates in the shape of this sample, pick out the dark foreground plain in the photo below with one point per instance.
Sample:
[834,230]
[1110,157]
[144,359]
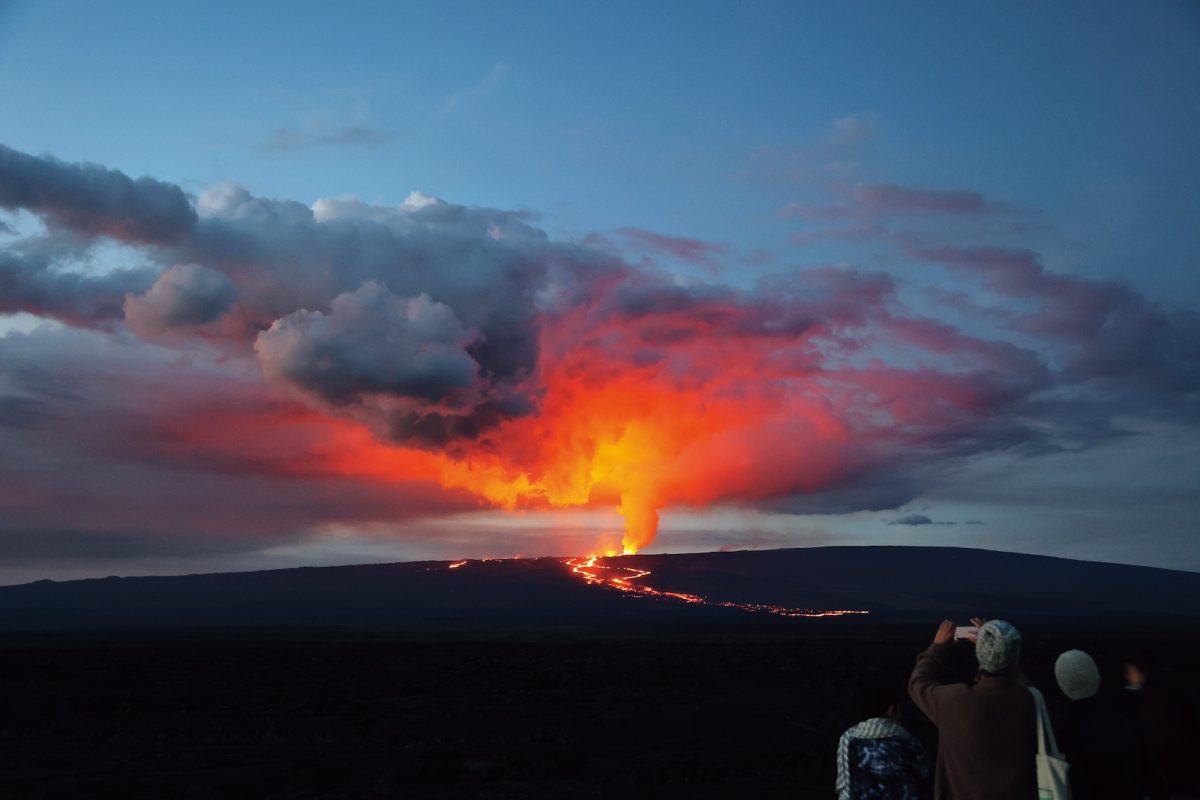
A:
[516,679]
[276,716]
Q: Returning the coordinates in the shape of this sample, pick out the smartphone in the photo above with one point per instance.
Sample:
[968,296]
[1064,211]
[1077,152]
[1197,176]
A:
[966,632]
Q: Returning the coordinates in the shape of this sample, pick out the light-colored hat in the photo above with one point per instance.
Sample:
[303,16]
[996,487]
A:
[1077,674]
[997,646]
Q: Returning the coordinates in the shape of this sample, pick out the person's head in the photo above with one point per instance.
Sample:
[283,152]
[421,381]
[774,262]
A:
[876,700]
[1138,668]
[1077,674]
[997,647]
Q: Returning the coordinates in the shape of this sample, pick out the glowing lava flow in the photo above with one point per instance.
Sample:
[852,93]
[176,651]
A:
[591,571]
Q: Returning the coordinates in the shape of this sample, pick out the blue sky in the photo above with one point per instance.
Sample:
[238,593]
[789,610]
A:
[600,116]
[771,136]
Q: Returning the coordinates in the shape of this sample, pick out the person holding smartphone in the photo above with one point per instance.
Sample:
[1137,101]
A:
[986,727]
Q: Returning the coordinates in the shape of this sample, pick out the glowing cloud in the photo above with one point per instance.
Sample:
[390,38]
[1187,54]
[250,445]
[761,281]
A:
[393,350]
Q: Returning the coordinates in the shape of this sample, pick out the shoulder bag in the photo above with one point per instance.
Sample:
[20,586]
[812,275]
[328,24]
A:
[1051,766]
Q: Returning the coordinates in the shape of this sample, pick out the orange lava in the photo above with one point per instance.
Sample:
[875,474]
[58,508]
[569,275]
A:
[622,579]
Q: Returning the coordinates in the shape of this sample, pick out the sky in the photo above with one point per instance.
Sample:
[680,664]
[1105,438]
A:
[294,285]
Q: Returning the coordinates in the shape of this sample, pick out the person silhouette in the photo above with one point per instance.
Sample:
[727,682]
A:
[986,727]
[878,758]
[1101,747]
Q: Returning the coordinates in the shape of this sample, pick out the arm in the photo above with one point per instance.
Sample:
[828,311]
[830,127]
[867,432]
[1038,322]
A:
[928,675]
[843,771]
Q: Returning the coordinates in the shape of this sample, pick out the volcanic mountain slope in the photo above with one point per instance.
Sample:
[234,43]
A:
[893,584]
[922,583]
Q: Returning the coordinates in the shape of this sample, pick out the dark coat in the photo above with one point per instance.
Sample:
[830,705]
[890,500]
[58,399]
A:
[1102,748]
[879,760]
[987,731]
[1165,726]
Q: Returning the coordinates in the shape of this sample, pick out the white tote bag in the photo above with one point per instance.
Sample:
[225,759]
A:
[1051,766]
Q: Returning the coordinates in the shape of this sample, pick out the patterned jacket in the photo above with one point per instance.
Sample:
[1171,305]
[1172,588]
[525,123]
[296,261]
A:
[879,759]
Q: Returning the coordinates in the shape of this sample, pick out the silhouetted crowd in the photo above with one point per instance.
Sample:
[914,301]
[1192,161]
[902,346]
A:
[998,737]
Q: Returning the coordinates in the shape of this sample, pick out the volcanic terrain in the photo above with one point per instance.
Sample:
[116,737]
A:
[523,678]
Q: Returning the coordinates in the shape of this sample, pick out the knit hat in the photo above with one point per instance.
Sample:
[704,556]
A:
[1077,674]
[997,646]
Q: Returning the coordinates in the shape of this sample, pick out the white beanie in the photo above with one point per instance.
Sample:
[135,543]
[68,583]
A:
[1077,674]
[997,646]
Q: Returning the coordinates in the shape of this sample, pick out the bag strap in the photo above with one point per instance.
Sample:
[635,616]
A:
[1045,731]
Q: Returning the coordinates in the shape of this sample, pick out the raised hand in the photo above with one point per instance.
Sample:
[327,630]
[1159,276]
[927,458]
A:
[945,632]
[973,636]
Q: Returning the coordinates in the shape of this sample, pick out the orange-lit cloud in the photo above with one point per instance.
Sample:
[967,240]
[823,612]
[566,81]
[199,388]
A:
[717,398]
[304,366]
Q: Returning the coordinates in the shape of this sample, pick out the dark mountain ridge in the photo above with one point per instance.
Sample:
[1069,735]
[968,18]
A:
[894,584]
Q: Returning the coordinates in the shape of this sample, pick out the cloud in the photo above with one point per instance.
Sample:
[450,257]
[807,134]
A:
[869,488]
[838,153]
[372,348]
[694,251]
[230,202]
[912,519]
[491,268]
[350,207]
[340,360]
[33,279]
[93,200]
[884,198]
[1106,331]
[185,295]
[869,201]
[355,136]
[167,457]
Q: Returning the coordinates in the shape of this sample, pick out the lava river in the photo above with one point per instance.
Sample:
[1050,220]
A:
[632,580]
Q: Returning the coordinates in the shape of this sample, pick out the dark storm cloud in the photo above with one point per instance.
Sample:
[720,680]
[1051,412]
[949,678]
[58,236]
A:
[94,200]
